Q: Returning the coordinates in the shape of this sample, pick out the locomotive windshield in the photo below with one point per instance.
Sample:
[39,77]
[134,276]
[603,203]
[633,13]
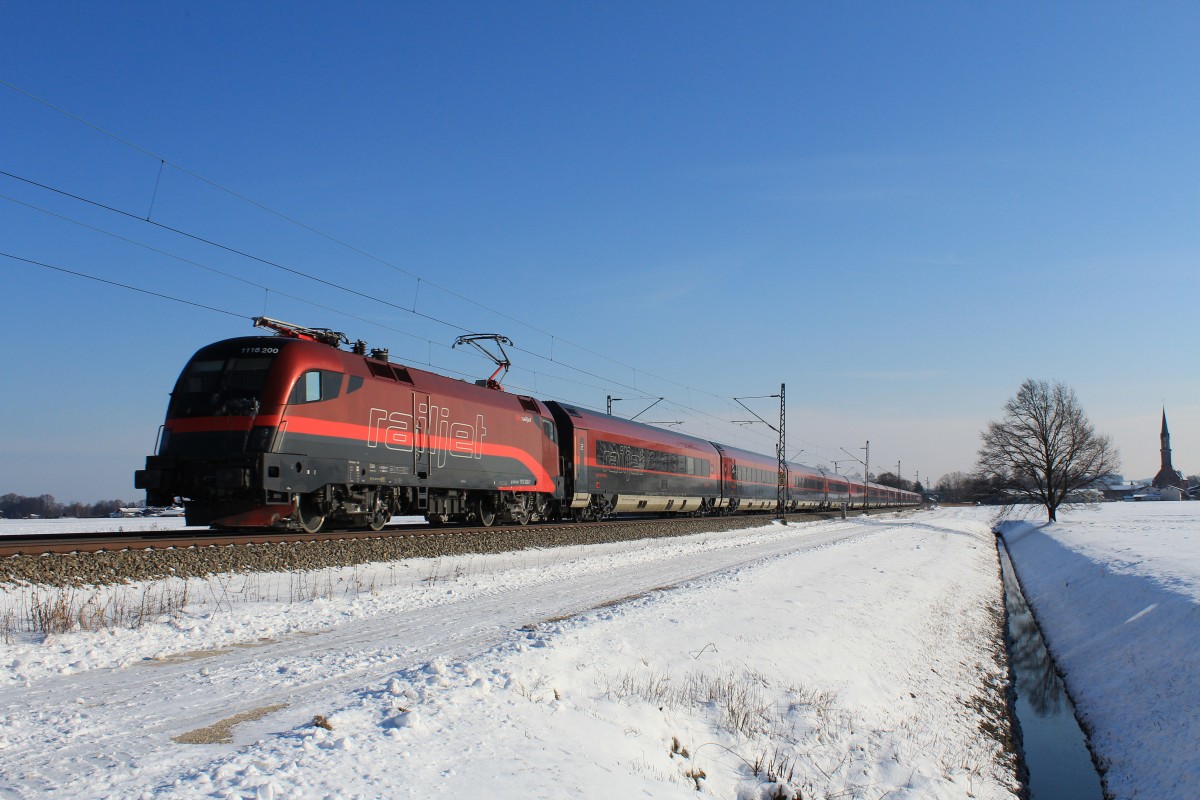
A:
[213,387]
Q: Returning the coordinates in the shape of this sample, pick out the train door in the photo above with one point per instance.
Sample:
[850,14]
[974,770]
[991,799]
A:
[582,489]
[731,482]
[550,457]
[423,421]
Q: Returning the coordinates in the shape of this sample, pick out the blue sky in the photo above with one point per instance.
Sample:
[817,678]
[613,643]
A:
[899,210]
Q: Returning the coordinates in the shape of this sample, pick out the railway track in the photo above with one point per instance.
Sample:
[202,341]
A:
[116,540]
[67,559]
[119,541]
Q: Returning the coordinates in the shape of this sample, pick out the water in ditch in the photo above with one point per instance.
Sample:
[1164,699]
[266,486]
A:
[1055,748]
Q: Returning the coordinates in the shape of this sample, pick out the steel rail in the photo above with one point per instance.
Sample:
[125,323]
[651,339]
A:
[115,541]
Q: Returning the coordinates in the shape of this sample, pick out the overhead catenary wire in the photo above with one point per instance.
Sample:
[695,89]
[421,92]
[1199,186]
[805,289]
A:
[228,249]
[124,285]
[163,162]
[331,284]
[300,273]
[172,298]
[551,358]
[266,288]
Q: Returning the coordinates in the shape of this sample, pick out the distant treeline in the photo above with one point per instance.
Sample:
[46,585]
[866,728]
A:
[16,506]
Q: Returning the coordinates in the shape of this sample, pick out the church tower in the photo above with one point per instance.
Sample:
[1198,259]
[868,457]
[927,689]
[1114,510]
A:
[1167,474]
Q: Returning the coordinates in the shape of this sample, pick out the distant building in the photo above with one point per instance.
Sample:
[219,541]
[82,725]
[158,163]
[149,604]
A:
[1167,474]
[1115,487]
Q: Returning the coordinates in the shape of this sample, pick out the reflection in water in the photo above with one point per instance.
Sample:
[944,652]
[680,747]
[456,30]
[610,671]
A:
[1055,748]
[1042,687]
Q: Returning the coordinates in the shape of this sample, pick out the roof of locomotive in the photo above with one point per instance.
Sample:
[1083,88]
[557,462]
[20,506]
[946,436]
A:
[327,355]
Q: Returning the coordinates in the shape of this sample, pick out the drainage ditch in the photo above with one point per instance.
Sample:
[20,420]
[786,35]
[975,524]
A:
[1053,745]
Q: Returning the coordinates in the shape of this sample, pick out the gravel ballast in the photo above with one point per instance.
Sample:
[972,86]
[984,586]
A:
[81,569]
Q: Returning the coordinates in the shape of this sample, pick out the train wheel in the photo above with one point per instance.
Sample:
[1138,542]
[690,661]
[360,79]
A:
[309,517]
[378,519]
[379,514]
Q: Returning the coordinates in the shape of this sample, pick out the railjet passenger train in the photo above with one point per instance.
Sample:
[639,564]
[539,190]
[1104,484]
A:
[293,431]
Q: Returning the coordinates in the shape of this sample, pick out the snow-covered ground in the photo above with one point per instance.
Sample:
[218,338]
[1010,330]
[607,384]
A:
[67,527]
[64,527]
[844,659]
[1116,590]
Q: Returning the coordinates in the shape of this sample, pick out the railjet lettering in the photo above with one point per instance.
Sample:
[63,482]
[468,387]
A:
[398,430]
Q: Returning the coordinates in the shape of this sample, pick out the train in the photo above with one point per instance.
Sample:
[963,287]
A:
[304,430]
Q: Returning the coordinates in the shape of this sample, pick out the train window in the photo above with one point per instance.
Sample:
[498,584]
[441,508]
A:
[310,385]
[203,376]
[528,403]
[401,373]
[331,384]
[220,387]
[316,385]
[645,458]
[548,427]
[636,457]
[354,384]
[245,375]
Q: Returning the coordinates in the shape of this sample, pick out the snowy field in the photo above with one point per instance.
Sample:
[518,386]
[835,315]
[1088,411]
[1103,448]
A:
[64,527]
[1116,590]
[67,527]
[847,659]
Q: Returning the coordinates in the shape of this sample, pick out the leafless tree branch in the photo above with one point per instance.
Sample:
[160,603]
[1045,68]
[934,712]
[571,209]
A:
[1044,450]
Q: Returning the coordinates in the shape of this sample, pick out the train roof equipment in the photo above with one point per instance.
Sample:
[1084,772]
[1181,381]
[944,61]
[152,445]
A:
[292,331]
[501,360]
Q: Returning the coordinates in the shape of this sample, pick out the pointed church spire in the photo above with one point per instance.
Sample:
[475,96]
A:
[1167,474]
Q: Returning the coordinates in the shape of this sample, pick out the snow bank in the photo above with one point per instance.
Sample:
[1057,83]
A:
[1116,591]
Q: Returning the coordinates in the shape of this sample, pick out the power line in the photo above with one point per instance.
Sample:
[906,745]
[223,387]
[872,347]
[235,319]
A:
[301,273]
[269,289]
[163,161]
[315,231]
[227,248]
[124,285]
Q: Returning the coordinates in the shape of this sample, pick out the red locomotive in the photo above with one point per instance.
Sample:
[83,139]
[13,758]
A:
[294,431]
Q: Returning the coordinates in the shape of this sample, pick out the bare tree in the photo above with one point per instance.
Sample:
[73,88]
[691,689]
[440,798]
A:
[954,487]
[1044,449]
